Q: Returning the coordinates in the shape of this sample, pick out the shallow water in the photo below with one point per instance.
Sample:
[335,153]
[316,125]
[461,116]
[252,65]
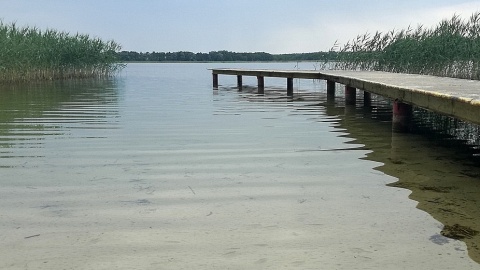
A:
[155,170]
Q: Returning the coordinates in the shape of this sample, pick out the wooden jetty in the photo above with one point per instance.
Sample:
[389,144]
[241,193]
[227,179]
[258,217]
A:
[458,98]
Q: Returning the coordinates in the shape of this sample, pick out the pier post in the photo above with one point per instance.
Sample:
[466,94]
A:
[215,80]
[290,87]
[330,90]
[261,84]
[402,116]
[239,82]
[350,95]
[367,99]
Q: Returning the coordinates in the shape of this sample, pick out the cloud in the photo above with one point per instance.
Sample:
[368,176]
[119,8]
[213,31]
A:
[464,10]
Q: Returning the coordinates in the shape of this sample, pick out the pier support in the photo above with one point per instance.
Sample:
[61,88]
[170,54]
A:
[367,99]
[239,82]
[215,80]
[261,84]
[402,117]
[330,90]
[350,95]
[290,87]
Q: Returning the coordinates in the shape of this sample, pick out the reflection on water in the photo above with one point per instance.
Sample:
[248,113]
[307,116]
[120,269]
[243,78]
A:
[437,161]
[29,113]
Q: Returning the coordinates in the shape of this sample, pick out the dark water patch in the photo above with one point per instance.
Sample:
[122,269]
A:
[439,239]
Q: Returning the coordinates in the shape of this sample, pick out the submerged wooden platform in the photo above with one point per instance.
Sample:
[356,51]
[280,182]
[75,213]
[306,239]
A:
[449,96]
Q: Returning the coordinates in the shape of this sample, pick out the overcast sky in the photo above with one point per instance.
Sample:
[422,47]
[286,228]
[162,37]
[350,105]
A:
[274,26]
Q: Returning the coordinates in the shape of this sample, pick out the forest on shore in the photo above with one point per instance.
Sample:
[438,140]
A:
[221,56]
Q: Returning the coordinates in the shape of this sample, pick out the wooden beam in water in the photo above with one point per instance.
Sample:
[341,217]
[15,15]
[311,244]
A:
[350,95]
[290,87]
[261,84]
[239,82]
[367,99]
[330,89]
[215,80]
[402,117]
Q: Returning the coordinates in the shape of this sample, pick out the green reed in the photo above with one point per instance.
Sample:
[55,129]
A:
[451,48]
[27,53]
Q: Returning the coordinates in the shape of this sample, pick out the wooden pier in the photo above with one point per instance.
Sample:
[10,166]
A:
[453,97]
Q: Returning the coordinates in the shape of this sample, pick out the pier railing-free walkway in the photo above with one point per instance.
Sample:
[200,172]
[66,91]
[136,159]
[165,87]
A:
[458,98]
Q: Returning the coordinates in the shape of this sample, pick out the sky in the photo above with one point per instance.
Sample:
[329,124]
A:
[273,26]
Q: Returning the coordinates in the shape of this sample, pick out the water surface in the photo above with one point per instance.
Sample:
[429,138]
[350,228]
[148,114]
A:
[156,170]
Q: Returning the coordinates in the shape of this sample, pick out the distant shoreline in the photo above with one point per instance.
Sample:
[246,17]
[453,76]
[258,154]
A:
[222,56]
[199,62]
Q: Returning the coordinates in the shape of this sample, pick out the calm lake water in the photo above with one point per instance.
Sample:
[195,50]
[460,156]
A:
[156,170]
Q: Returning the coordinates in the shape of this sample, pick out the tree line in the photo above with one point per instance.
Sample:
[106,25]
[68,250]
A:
[221,56]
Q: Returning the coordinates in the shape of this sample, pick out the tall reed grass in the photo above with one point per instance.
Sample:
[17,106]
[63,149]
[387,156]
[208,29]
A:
[27,53]
[451,49]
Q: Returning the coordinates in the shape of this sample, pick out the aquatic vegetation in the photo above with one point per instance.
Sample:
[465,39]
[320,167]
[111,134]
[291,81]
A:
[451,48]
[27,53]
[458,232]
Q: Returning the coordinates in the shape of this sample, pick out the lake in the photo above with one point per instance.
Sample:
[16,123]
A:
[155,169]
